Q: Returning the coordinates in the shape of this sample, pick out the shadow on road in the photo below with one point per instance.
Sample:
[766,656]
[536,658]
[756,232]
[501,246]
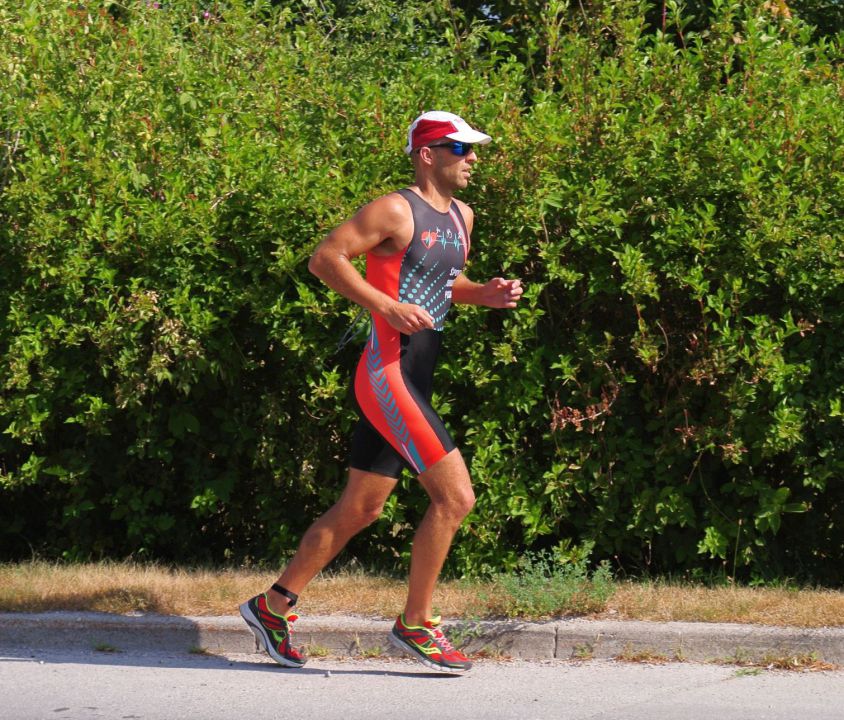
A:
[202,661]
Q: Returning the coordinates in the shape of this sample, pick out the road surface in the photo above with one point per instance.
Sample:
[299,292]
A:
[78,685]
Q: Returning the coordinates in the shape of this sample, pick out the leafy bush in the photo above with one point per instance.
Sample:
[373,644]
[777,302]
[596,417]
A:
[670,389]
[543,586]
[679,226]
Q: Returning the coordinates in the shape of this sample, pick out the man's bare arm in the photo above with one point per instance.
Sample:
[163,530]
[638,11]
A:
[496,293]
[387,217]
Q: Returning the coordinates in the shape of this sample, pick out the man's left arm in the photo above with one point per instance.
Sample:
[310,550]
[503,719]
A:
[496,293]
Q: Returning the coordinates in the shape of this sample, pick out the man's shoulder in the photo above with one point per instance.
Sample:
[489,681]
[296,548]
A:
[391,203]
[387,214]
[465,210]
[462,205]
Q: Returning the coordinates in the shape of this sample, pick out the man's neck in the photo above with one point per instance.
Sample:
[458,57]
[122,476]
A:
[438,197]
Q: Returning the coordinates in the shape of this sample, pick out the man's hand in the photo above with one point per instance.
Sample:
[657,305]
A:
[501,293]
[408,318]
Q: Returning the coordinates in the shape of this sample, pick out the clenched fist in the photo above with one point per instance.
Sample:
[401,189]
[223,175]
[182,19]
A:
[408,318]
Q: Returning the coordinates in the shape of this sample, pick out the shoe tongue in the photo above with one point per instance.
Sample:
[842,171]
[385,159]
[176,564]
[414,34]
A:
[433,622]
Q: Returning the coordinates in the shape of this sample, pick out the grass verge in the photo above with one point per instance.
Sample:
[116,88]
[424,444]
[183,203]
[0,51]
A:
[538,592]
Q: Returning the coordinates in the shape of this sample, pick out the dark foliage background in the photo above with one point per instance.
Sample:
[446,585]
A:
[667,181]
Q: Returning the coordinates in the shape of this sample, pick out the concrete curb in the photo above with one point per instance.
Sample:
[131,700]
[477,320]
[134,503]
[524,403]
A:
[356,636]
[724,642]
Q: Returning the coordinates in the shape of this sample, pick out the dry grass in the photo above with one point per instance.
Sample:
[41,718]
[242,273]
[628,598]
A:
[126,587]
[641,655]
[805,662]
[762,606]
[121,587]
[802,662]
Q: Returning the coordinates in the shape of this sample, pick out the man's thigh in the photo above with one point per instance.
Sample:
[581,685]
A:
[448,479]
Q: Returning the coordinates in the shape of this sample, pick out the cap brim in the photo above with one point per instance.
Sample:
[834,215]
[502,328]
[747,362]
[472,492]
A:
[471,136]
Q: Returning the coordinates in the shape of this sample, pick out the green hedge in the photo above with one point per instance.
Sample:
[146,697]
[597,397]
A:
[670,389]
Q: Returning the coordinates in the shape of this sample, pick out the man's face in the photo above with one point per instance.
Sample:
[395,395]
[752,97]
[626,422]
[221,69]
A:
[450,167]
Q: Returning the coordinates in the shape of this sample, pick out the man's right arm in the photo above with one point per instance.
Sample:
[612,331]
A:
[387,217]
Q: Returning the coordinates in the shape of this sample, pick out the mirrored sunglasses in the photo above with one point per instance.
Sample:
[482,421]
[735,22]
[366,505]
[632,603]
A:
[458,148]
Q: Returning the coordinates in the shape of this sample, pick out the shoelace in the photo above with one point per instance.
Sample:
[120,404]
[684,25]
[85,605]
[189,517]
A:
[442,639]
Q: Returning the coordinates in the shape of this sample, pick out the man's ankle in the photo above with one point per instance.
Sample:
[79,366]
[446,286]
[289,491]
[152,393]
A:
[412,619]
[278,603]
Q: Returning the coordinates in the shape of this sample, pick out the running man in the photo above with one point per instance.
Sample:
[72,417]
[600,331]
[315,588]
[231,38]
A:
[416,242]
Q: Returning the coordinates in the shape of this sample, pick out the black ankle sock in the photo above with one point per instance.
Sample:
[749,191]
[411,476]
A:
[292,597]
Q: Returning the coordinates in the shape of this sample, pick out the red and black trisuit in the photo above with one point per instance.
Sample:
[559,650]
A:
[393,383]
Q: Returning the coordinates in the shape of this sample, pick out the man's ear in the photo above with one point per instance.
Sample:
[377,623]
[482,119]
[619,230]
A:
[426,155]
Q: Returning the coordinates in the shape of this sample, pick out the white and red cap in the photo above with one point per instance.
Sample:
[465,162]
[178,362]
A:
[434,125]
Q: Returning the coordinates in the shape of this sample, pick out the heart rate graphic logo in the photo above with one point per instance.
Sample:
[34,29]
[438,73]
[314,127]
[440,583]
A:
[428,237]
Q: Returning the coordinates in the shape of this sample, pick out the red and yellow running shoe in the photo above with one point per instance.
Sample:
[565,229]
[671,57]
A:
[272,631]
[429,646]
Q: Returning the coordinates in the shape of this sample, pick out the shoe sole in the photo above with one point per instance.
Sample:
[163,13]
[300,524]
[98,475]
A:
[401,645]
[262,639]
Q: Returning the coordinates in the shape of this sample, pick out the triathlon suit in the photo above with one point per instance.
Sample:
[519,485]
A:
[393,383]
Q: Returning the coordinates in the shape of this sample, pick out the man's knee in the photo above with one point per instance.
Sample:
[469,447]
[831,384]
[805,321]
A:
[455,504]
[361,514]
[370,513]
[464,501]
[363,499]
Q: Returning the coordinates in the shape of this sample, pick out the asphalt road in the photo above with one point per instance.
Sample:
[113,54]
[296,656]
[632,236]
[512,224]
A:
[62,685]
